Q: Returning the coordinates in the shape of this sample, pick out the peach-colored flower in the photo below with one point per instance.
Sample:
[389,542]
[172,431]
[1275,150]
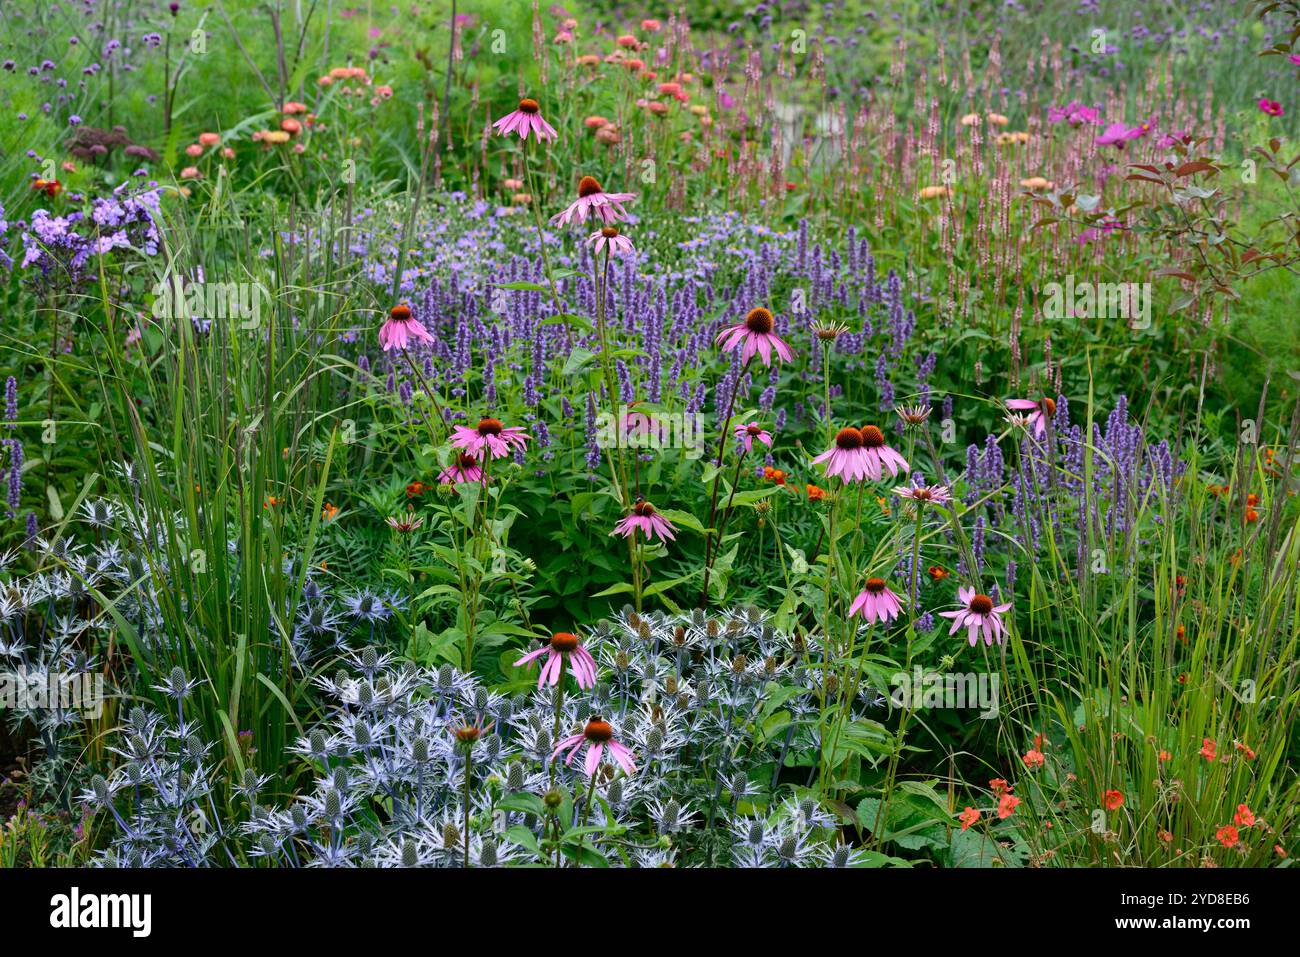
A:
[209,139]
[1007,805]
[1227,835]
[190,172]
[968,817]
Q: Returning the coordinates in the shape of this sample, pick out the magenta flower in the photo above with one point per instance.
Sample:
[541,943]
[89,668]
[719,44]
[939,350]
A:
[755,335]
[609,236]
[607,207]
[876,602]
[861,454]
[400,328]
[1117,134]
[645,518]
[491,435]
[748,433]
[1076,114]
[1171,138]
[563,647]
[1039,412]
[978,615]
[465,469]
[1271,107]
[527,118]
[597,736]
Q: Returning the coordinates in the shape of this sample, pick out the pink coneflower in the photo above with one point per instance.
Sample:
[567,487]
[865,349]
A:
[400,328]
[491,435]
[1271,107]
[597,736]
[1039,412]
[609,236]
[563,647]
[465,469]
[925,494]
[861,454]
[755,334]
[876,602]
[527,118]
[977,615]
[650,522]
[607,207]
[748,433]
[405,525]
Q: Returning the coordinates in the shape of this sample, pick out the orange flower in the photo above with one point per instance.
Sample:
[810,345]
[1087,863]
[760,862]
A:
[1166,836]
[1208,748]
[1033,758]
[968,817]
[1181,634]
[1247,751]
[328,512]
[416,489]
[1244,817]
[816,494]
[1007,805]
[50,187]
[1252,516]
[999,786]
[938,573]
[1227,836]
[1163,756]
[1112,800]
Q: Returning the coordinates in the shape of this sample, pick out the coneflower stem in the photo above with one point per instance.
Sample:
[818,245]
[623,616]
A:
[717,478]
[469,770]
